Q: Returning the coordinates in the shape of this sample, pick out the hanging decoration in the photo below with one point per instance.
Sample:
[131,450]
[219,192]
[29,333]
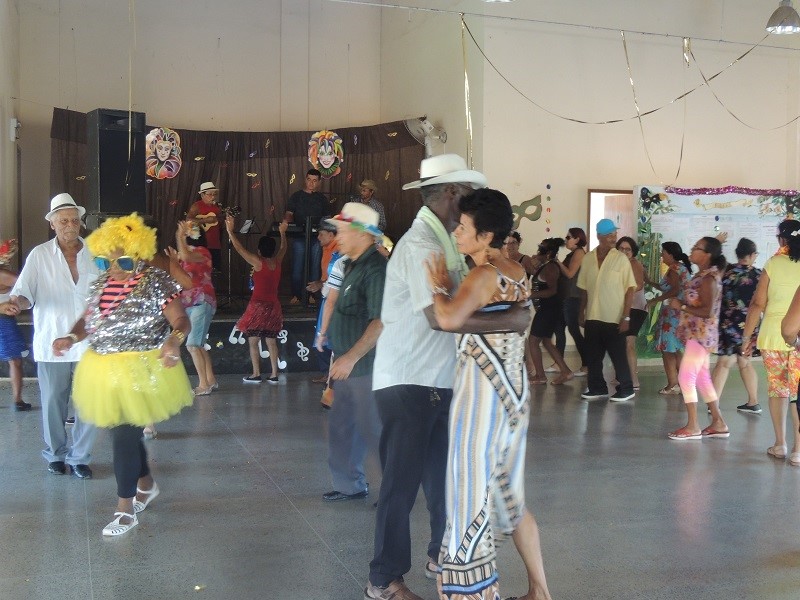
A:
[162,153]
[530,209]
[326,153]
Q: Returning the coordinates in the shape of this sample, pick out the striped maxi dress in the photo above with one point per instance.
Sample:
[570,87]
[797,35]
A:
[486,459]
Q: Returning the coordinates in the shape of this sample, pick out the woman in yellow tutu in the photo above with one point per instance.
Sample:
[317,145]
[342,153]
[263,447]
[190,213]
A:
[131,375]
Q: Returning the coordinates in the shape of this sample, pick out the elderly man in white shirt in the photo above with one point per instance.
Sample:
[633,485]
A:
[413,378]
[55,282]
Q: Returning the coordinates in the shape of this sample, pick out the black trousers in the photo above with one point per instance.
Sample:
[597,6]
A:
[413,451]
[130,458]
[600,338]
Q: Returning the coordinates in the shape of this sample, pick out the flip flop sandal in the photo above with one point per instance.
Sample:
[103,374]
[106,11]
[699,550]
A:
[712,433]
[777,451]
[675,390]
[116,528]
[150,494]
[794,459]
[681,434]
[562,379]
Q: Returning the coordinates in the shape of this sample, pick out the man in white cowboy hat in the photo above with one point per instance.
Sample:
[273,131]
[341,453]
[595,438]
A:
[353,424]
[205,211]
[366,192]
[413,378]
[55,281]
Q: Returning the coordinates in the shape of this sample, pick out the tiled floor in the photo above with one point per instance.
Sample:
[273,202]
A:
[624,512]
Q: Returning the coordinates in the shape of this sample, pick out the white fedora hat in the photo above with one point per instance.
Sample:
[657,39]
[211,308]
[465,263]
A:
[208,186]
[62,201]
[447,168]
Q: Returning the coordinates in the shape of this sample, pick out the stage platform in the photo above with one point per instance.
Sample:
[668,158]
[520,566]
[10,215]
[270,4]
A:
[227,346]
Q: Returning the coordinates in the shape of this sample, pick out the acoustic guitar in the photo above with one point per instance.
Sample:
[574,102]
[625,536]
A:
[233,211]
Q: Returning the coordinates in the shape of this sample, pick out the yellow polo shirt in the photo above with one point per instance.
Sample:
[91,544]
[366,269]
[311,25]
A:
[606,285]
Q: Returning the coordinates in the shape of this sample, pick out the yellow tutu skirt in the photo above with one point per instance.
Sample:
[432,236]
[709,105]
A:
[128,388]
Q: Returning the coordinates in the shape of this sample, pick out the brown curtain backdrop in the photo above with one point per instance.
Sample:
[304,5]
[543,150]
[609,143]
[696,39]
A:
[256,171]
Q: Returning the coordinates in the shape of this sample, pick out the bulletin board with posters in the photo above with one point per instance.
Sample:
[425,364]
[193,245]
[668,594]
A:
[686,215]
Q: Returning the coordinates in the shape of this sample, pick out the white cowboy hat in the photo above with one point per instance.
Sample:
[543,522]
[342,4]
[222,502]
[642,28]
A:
[447,168]
[62,201]
[358,215]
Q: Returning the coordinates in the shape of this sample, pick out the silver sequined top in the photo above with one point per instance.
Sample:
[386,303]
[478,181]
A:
[138,323]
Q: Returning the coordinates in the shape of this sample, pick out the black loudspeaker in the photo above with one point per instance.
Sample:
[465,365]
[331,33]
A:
[115,140]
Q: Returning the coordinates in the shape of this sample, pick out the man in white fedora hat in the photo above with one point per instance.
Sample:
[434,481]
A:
[353,423]
[55,281]
[413,378]
[205,211]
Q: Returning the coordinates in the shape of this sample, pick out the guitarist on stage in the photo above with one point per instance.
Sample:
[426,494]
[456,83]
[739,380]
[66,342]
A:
[206,212]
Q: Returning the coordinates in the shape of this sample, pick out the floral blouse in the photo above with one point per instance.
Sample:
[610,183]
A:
[704,331]
[738,287]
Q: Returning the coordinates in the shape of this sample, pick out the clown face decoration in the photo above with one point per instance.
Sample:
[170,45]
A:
[326,153]
[163,153]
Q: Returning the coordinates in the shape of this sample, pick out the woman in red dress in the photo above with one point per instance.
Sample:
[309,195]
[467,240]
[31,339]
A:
[263,316]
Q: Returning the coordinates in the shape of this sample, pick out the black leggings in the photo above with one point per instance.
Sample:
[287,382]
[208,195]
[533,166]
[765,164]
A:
[130,458]
[570,321]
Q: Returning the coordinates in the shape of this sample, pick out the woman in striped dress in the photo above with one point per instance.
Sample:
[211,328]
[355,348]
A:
[489,412]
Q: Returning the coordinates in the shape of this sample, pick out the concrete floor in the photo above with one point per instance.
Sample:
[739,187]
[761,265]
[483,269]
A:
[624,512]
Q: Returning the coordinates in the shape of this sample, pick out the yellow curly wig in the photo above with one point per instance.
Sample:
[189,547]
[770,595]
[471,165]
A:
[128,234]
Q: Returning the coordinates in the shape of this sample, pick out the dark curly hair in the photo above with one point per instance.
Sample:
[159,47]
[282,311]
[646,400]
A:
[549,246]
[266,246]
[491,212]
[634,246]
[787,231]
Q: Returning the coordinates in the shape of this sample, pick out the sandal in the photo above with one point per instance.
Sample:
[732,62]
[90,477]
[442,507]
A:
[432,569]
[675,390]
[714,433]
[777,451]
[684,434]
[150,494]
[149,432]
[563,378]
[537,380]
[117,528]
[201,391]
[794,459]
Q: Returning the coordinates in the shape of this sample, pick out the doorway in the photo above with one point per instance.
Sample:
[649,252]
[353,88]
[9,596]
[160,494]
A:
[617,205]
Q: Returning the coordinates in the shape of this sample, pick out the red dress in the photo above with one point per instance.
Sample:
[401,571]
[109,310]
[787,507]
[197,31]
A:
[263,316]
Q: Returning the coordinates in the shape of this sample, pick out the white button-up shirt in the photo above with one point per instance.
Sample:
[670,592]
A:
[409,352]
[58,302]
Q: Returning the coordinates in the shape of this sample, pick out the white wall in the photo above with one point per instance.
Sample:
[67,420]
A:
[9,88]
[249,65]
[306,64]
[582,73]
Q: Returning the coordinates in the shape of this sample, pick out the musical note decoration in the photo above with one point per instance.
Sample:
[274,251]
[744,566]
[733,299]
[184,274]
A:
[236,336]
[283,335]
[302,352]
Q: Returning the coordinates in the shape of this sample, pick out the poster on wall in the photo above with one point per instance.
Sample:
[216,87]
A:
[685,215]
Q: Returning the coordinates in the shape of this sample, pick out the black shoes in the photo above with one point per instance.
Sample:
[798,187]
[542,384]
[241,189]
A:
[754,409]
[57,467]
[22,406]
[335,496]
[81,471]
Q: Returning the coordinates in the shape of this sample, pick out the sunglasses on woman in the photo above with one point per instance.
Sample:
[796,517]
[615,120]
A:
[125,263]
